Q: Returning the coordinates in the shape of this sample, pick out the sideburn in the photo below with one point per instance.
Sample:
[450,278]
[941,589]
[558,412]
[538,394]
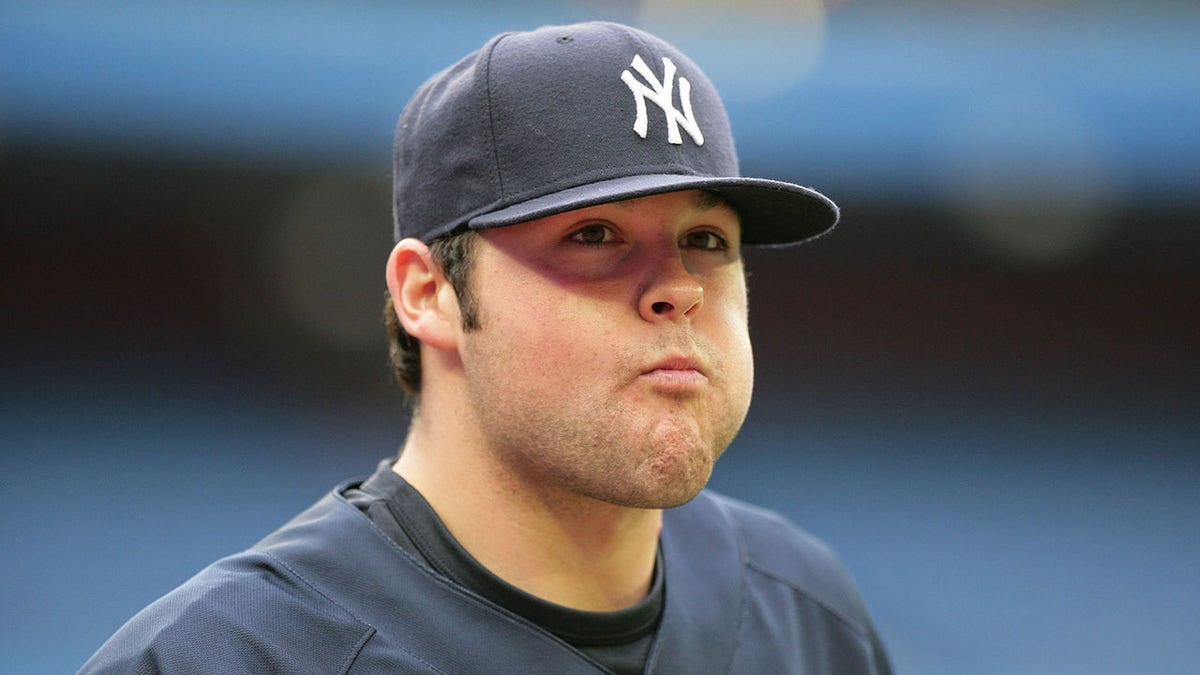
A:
[456,256]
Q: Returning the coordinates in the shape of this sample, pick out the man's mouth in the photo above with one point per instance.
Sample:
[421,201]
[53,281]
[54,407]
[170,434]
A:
[676,372]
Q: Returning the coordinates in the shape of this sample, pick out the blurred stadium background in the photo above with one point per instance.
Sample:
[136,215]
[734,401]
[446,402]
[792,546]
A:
[982,389]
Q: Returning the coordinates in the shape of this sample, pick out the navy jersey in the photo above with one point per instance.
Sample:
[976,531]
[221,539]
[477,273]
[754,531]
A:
[746,592]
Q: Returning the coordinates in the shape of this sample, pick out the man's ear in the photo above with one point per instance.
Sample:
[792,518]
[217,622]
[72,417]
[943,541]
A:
[423,298]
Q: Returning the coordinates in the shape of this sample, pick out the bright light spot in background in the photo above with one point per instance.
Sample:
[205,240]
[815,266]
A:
[750,50]
[327,249]
[1030,177]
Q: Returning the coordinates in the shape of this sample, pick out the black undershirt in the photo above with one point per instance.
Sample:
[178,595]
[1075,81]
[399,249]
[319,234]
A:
[619,640]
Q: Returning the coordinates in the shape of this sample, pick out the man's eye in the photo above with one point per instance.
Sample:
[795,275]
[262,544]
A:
[593,234]
[706,240]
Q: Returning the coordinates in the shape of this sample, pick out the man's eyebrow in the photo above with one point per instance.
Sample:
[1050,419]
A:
[709,200]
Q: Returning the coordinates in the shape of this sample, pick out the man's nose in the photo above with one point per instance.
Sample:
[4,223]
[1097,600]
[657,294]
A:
[672,293]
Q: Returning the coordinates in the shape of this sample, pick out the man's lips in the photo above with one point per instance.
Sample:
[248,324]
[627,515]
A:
[676,372]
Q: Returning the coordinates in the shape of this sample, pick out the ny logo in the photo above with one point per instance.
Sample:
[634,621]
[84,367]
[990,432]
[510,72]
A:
[660,93]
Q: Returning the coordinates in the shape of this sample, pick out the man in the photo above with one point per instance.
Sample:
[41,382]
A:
[567,308]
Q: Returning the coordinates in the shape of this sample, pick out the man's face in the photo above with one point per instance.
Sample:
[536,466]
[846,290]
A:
[613,357]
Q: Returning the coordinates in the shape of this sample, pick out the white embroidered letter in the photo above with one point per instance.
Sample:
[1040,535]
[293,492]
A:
[660,93]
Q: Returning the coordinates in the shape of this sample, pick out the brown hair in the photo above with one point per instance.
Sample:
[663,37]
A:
[454,255]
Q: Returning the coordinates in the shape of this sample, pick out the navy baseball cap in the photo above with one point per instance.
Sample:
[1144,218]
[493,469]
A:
[564,117]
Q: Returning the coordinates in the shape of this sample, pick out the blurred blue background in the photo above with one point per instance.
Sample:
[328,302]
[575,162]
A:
[981,389]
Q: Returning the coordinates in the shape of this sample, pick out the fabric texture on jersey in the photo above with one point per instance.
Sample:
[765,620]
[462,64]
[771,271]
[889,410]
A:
[330,592]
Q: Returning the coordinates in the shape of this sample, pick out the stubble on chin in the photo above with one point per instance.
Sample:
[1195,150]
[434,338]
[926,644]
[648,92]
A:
[656,464]
[664,463]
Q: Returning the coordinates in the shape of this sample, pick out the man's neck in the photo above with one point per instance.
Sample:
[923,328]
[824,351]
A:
[565,548]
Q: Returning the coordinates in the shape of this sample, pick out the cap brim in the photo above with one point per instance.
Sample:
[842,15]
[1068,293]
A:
[772,213]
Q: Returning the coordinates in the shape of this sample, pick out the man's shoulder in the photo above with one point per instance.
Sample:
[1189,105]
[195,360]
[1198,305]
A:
[328,592]
[249,612]
[777,551]
[245,613]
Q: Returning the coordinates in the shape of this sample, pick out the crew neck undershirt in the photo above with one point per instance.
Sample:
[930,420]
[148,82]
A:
[619,640]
